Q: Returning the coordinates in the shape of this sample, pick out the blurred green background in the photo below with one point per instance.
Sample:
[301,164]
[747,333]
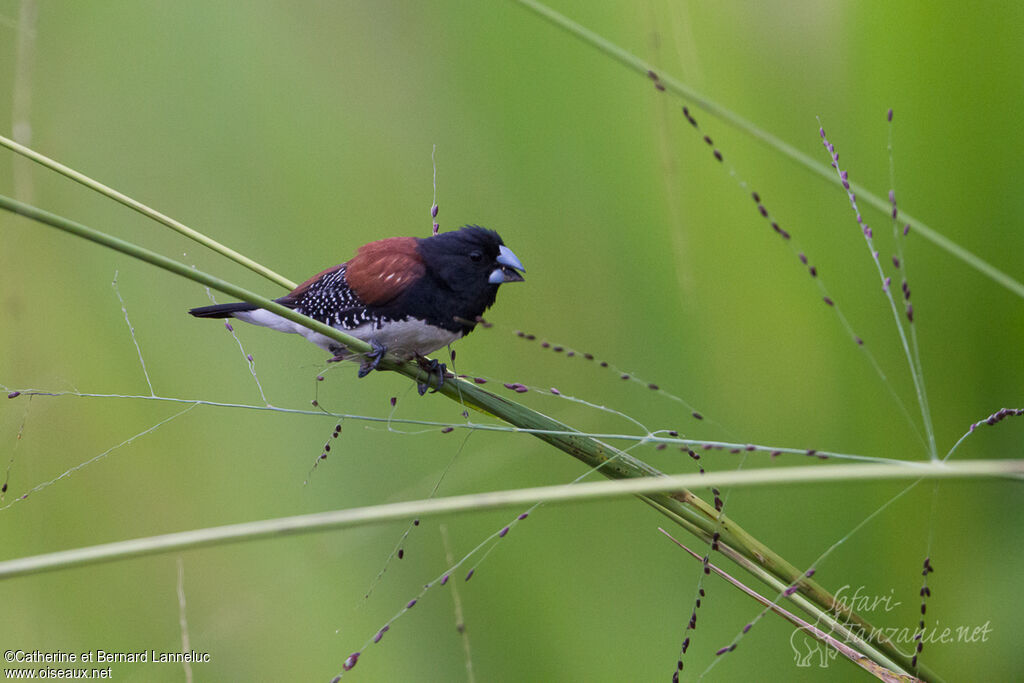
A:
[295,132]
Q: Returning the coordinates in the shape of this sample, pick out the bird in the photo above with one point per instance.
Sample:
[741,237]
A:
[405,296]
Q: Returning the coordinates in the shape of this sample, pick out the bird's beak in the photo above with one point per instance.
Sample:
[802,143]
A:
[510,267]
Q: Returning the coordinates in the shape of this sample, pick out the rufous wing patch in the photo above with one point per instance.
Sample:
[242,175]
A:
[382,270]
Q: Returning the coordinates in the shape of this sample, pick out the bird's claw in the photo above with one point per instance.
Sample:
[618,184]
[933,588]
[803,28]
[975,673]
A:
[372,359]
[340,353]
[431,366]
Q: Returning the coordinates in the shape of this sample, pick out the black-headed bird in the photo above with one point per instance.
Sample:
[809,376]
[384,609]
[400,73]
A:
[405,296]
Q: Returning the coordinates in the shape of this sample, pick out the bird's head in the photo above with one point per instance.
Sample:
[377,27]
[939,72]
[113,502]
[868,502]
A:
[470,264]
[470,260]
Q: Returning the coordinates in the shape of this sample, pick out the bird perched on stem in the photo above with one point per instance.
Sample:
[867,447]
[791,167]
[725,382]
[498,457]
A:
[405,296]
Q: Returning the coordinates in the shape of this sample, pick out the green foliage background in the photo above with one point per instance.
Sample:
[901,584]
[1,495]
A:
[295,132]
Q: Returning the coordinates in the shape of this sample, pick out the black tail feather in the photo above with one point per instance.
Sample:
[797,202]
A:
[222,310]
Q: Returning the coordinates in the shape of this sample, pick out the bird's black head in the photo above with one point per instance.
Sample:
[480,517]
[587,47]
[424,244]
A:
[469,264]
[470,259]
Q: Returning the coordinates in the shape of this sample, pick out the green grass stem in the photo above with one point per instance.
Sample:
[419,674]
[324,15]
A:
[563,493]
[146,211]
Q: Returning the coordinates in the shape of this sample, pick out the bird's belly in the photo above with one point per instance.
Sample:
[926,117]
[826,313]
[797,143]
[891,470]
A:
[406,338]
[403,338]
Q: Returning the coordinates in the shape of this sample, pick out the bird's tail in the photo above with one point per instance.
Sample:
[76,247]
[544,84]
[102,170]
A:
[222,310]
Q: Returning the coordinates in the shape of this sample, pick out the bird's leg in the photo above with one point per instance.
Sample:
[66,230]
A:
[372,359]
[431,366]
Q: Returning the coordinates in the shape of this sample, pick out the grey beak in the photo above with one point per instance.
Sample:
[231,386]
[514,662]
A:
[510,265]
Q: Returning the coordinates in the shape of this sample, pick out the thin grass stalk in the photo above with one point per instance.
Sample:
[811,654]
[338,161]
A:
[561,493]
[733,119]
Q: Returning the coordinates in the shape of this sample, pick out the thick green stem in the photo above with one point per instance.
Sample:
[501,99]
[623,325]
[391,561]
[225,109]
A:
[108,191]
[177,268]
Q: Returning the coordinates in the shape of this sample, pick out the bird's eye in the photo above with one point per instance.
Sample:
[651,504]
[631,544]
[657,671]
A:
[476,256]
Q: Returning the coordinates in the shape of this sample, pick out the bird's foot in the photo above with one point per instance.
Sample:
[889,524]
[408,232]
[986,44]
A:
[372,359]
[340,353]
[431,366]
